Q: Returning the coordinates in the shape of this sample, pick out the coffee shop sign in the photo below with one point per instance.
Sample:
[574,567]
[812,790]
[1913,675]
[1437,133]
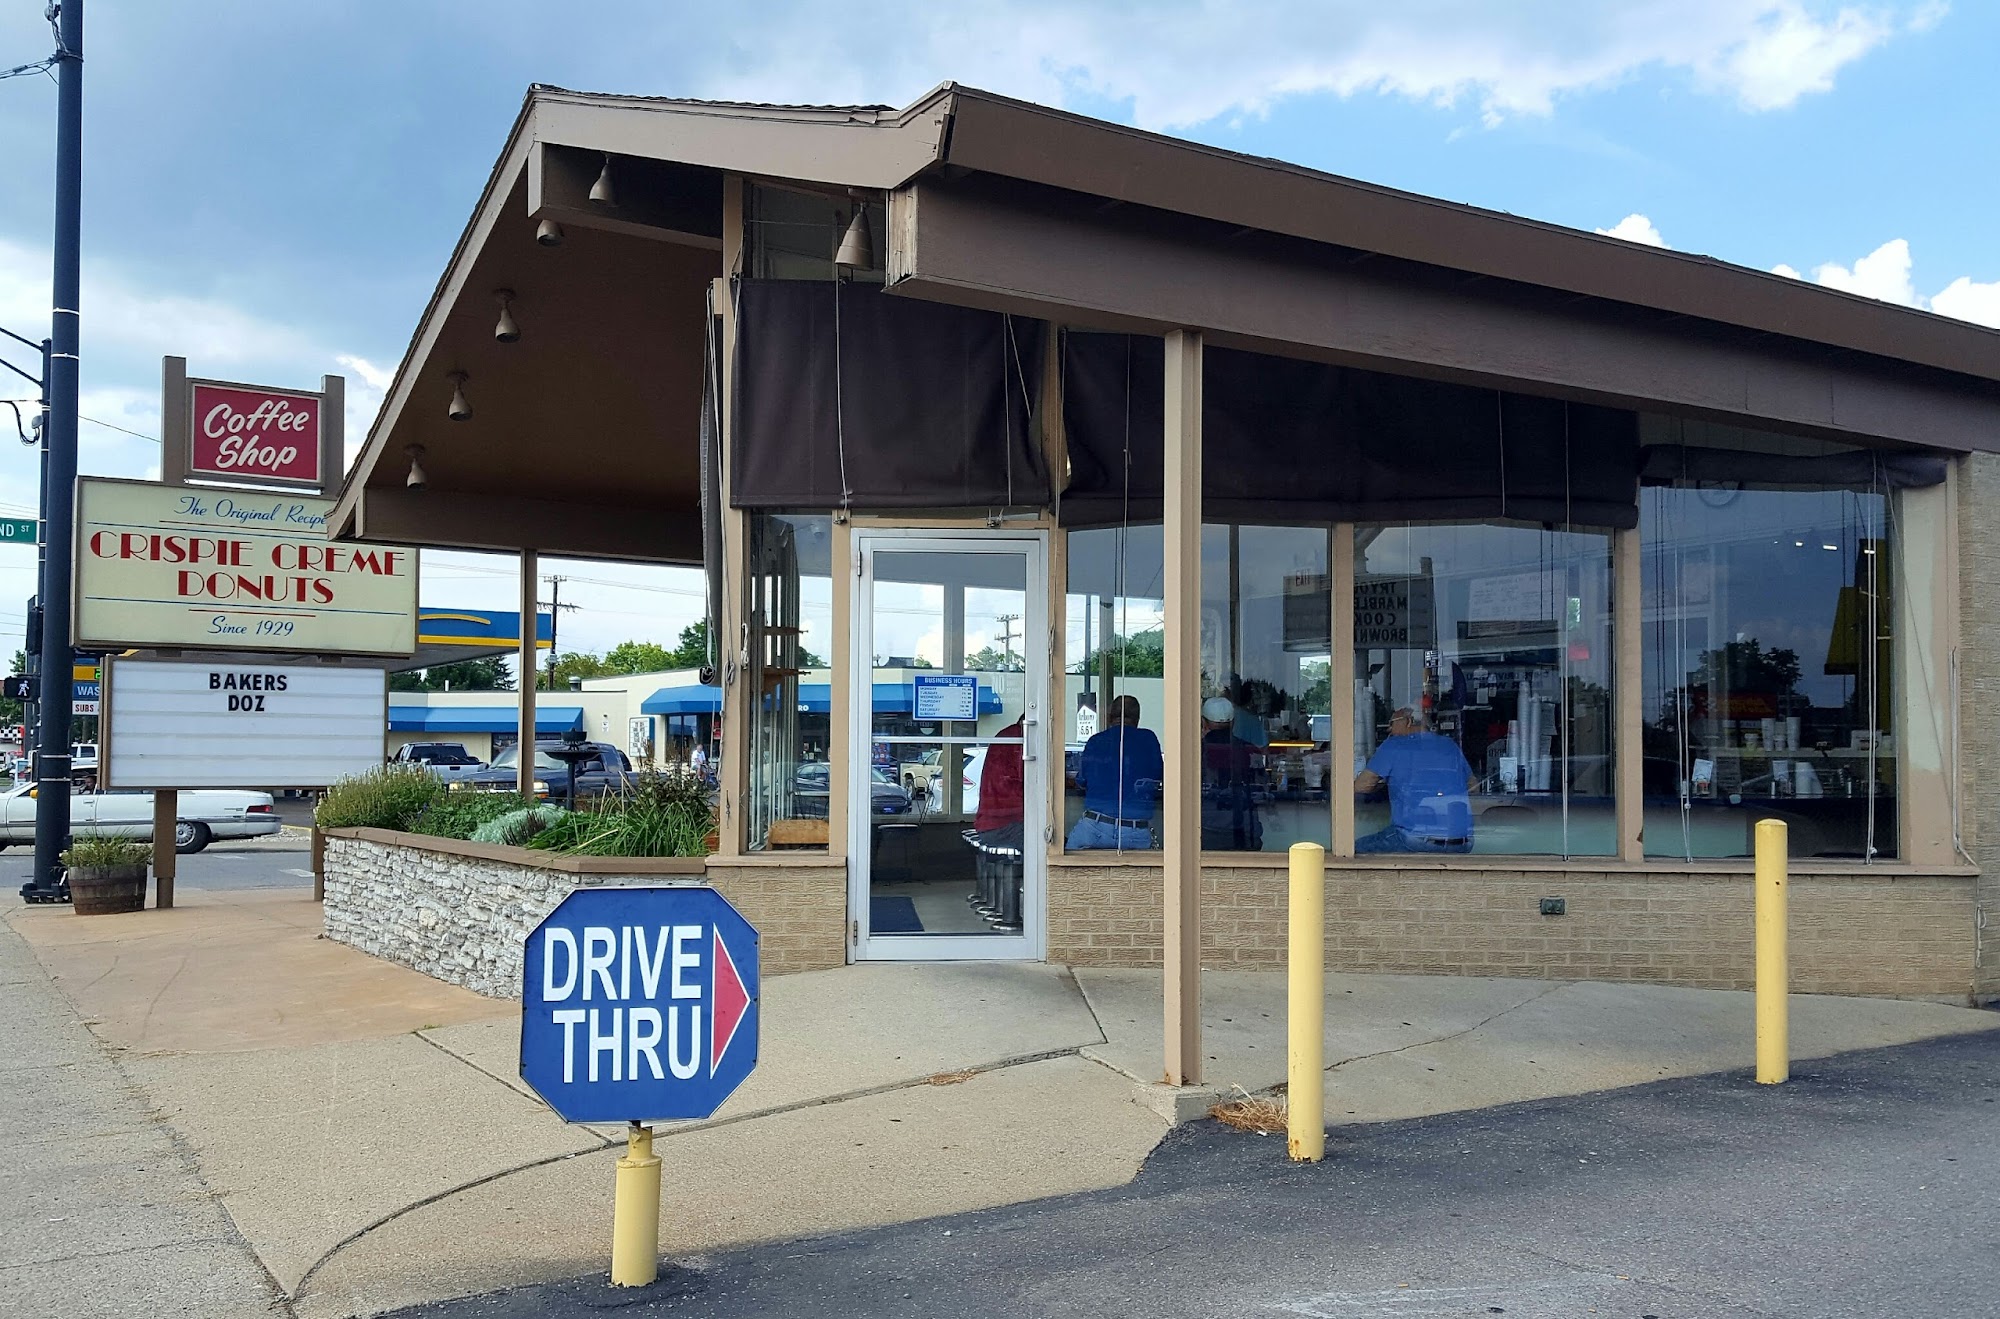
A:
[252,432]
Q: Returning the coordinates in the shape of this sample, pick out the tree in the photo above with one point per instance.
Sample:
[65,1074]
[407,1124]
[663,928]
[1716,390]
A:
[989,660]
[576,664]
[10,709]
[476,675]
[1142,656]
[641,657]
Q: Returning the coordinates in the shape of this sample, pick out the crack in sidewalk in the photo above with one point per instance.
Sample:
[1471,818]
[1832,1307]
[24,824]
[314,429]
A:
[689,1128]
[1455,1035]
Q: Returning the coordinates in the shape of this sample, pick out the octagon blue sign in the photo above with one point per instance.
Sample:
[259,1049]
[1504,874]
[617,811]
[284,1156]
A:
[639,1004]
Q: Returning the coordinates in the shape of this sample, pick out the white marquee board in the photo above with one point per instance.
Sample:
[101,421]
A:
[176,724]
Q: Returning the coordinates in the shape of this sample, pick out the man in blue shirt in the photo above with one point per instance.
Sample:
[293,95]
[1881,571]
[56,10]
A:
[1120,774]
[1429,783]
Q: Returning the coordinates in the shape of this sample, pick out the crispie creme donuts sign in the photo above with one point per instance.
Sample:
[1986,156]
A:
[251,434]
[161,565]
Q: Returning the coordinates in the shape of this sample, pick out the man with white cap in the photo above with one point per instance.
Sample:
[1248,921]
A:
[1429,786]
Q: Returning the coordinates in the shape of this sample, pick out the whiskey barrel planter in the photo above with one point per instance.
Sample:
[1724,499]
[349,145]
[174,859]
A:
[103,890]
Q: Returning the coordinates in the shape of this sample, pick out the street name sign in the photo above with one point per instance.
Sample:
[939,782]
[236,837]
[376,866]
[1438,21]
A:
[639,1004]
[17,531]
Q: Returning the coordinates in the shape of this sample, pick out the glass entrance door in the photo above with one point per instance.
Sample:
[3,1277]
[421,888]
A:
[948,783]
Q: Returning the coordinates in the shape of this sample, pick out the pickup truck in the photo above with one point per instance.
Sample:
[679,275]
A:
[450,761]
[605,771]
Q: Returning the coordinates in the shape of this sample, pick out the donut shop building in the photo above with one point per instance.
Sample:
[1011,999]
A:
[982,417]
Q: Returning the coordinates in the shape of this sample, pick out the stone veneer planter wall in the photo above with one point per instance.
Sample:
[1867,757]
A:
[459,911]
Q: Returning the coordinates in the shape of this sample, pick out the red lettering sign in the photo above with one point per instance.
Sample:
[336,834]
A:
[254,434]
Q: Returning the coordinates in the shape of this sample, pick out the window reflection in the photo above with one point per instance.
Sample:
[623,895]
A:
[1113,690]
[789,608]
[1266,688]
[1767,667]
[1483,683]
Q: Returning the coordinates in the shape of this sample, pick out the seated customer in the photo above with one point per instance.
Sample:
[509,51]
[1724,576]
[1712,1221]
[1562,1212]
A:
[1429,783]
[1120,773]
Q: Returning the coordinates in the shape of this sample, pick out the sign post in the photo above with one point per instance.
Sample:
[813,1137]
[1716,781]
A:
[638,1005]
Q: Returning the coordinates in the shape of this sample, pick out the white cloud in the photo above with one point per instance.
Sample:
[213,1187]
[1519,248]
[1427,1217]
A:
[1636,228]
[1967,301]
[1789,53]
[1885,273]
[1518,58]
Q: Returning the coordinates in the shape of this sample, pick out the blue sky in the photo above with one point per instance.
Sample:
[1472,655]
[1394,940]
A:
[273,189]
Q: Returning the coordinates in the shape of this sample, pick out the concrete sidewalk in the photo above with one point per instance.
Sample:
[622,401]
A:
[365,1130]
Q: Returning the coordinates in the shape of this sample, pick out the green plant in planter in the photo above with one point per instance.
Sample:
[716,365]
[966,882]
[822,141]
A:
[662,815]
[101,851]
[385,797]
[517,826]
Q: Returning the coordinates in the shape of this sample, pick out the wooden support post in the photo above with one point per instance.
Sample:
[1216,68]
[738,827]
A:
[733,777]
[1340,772]
[1628,720]
[1181,816]
[166,811]
[526,663]
[319,864]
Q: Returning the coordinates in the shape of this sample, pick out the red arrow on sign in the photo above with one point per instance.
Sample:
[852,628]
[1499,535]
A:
[730,1003]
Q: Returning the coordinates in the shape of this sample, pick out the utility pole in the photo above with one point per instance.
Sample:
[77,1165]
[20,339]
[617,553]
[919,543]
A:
[1006,622]
[52,767]
[555,606]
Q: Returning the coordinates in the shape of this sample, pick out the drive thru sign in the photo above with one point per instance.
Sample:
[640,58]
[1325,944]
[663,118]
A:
[639,1004]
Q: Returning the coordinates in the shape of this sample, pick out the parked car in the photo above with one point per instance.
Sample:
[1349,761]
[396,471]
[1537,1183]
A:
[809,792]
[450,761]
[203,814]
[922,773]
[605,770]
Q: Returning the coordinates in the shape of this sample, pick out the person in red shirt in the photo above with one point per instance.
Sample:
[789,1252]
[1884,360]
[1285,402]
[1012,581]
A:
[997,829]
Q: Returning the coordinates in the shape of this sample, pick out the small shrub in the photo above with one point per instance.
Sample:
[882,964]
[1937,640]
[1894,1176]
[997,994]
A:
[661,815]
[460,814]
[107,850]
[386,797]
[523,822]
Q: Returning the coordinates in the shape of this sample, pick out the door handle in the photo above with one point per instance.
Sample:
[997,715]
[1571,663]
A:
[1028,724]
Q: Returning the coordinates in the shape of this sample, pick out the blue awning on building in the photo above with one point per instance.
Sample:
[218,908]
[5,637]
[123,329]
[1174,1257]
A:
[475,719]
[814,698]
[691,698]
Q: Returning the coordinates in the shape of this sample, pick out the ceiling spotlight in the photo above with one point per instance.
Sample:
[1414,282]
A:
[460,409]
[857,245]
[416,480]
[548,233]
[504,329]
[601,191]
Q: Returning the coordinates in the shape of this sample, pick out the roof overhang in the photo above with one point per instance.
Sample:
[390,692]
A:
[584,438]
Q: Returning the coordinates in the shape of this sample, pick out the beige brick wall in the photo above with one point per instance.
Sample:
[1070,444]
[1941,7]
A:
[1851,934]
[1979,695]
[799,910]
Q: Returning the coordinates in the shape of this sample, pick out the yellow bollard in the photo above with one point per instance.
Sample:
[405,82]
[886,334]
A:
[1305,1008]
[635,1213]
[1774,1052]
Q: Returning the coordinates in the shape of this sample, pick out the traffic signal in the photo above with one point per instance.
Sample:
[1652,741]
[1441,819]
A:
[18,689]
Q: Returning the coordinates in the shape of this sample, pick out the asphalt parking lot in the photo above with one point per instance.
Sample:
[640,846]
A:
[279,861]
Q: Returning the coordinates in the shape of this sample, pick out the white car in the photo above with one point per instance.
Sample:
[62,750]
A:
[202,815]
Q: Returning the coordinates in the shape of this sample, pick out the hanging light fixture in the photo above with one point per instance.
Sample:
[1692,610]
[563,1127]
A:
[416,480]
[460,409]
[505,329]
[548,233]
[857,245]
[601,191]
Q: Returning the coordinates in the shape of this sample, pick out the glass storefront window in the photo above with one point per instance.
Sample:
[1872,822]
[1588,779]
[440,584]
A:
[1266,688]
[1767,668]
[1113,689]
[789,608]
[1483,690]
